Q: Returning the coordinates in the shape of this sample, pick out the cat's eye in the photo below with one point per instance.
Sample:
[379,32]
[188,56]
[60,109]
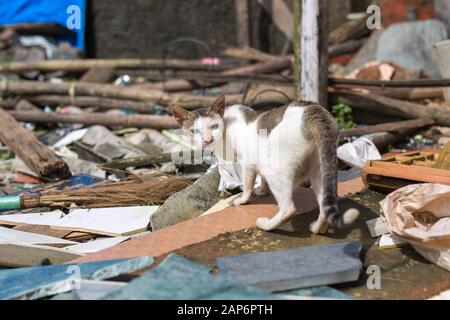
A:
[195,131]
[214,127]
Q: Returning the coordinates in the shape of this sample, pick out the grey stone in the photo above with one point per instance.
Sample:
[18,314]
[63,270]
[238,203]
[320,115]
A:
[178,278]
[188,203]
[410,45]
[442,11]
[290,269]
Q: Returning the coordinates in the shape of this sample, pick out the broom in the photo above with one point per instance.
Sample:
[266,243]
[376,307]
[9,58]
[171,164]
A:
[136,190]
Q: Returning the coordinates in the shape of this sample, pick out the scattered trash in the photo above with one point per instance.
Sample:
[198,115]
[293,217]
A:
[94,166]
[419,215]
[358,152]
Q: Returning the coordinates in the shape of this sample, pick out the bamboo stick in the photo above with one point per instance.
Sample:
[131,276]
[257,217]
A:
[85,64]
[92,118]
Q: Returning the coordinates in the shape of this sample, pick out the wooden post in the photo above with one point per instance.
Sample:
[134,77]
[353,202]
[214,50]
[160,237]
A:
[37,156]
[243,28]
[314,51]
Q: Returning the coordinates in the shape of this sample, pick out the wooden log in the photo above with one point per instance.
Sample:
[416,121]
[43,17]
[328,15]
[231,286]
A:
[270,66]
[387,139]
[92,118]
[353,29]
[243,26]
[85,64]
[391,126]
[37,156]
[98,75]
[105,90]
[409,93]
[249,53]
[78,88]
[345,47]
[98,102]
[403,109]
[420,83]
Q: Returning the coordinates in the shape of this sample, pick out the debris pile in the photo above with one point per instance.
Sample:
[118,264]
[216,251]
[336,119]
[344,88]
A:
[97,176]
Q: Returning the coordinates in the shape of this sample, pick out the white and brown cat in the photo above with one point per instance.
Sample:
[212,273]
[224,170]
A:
[287,146]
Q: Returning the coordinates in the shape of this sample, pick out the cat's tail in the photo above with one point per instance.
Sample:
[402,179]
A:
[325,132]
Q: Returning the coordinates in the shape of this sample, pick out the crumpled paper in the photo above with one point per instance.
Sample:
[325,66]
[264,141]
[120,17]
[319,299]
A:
[420,214]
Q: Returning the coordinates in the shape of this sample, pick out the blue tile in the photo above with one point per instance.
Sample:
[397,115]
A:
[39,282]
[290,269]
[319,292]
[179,278]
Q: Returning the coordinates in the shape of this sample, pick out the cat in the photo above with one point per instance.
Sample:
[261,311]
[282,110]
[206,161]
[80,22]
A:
[299,144]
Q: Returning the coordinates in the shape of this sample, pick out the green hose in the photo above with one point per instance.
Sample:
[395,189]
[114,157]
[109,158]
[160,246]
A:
[10,203]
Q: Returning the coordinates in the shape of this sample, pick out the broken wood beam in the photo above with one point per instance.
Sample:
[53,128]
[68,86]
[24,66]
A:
[86,64]
[98,102]
[93,118]
[389,127]
[403,109]
[37,156]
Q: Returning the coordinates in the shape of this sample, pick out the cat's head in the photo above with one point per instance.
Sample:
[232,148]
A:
[205,126]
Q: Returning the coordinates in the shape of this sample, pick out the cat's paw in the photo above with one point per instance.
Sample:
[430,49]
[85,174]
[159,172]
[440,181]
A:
[239,201]
[264,224]
[318,228]
[262,191]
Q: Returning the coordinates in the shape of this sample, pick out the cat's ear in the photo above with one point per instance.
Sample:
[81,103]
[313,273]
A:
[180,114]
[218,106]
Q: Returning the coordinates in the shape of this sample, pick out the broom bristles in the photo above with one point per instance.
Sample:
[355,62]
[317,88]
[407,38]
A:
[136,191]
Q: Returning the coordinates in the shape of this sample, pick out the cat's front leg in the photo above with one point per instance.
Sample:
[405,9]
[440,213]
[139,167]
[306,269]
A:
[249,183]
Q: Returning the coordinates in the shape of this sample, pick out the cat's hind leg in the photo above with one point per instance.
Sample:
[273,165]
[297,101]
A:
[282,189]
[327,202]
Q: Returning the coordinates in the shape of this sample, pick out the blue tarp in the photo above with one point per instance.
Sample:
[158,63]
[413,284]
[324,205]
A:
[44,11]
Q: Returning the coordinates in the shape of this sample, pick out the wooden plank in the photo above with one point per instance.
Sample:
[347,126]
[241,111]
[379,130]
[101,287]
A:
[16,254]
[409,172]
